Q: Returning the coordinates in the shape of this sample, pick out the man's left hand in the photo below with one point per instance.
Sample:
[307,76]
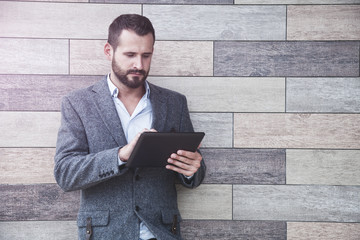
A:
[185,162]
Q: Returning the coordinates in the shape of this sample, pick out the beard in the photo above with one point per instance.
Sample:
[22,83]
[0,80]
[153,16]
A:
[123,77]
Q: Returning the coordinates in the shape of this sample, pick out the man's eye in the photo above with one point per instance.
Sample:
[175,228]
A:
[130,54]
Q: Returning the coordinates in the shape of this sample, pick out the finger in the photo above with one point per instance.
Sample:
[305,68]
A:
[180,170]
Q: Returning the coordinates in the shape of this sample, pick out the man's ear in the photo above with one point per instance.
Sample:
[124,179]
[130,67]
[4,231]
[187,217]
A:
[108,50]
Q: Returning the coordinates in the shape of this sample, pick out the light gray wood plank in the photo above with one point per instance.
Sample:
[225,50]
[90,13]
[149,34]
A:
[212,94]
[29,129]
[244,166]
[39,202]
[330,167]
[289,59]
[38,230]
[192,2]
[229,230]
[47,20]
[210,202]
[323,95]
[218,128]
[217,22]
[322,2]
[31,57]
[322,231]
[170,58]
[42,92]
[27,165]
[267,130]
[332,22]
[297,203]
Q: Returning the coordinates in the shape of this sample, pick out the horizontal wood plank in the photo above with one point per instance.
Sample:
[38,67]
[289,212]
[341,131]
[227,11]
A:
[244,166]
[211,202]
[261,130]
[217,22]
[297,203]
[42,92]
[27,165]
[323,95]
[29,129]
[330,167]
[191,58]
[289,59]
[211,94]
[294,2]
[47,20]
[218,128]
[193,2]
[333,22]
[322,231]
[39,129]
[39,202]
[39,230]
[37,61]
[228,230]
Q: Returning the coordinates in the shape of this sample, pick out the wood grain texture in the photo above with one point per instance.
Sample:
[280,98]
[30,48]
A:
[217,22]
[47,20]
[218,128]
[330,167]
[39,230]
[296,203]
[322,231]
[37,61]
[266,130]
[192,2]
[27,165]
[333,22]
[29,129]
[191,58]
[323,95]
[211,202]
[229,230]
[37,202]
[308,2]
[42,92]
[211,94]
[289,59]
[244,166]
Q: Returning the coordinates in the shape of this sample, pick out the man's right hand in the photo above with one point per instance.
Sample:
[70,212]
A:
[125,152]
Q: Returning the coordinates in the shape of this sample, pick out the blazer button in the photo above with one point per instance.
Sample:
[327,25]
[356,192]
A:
[137,177]
[137,208]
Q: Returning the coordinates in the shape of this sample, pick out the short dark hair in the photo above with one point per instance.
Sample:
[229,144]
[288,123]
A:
[139,24]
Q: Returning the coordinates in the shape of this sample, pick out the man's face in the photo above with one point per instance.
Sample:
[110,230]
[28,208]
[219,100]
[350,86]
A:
[132,58]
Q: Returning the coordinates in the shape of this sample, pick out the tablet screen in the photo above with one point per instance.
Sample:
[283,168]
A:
[154,148]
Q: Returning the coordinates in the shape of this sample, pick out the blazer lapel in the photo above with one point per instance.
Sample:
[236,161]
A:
[159,107]
[107,110]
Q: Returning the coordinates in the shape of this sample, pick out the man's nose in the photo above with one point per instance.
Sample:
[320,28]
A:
[138,64]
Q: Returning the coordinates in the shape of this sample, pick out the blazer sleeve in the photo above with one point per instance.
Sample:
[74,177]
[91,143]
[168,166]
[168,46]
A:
[186,126]
[76,168]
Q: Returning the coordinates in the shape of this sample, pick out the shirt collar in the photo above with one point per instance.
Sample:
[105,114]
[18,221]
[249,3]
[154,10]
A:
[114,91]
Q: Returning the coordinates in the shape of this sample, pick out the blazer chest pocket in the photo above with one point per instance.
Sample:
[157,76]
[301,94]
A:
[91,219]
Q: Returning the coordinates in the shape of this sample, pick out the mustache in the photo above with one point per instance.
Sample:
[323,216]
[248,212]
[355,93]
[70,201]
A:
[136,71]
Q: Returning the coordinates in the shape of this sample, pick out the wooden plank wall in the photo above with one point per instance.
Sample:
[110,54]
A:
[275,85]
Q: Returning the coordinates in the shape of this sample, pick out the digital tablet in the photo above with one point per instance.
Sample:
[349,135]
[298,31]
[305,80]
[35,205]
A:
[154,148]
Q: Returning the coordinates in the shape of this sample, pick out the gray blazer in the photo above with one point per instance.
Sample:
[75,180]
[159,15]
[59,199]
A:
[114,199]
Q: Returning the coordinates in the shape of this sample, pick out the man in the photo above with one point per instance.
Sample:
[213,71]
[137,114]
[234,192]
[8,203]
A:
[99,129]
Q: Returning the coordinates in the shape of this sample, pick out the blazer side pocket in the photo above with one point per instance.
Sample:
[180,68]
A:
[92,219]
[173,219]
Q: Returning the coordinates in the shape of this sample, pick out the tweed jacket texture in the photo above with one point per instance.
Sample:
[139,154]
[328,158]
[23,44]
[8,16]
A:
[114,198]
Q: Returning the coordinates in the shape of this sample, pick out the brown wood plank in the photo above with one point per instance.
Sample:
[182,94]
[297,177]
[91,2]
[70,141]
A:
[245,166]
[27,165]
[37,202]
[262,130]
[286,59]
[39,92]
[229,230]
